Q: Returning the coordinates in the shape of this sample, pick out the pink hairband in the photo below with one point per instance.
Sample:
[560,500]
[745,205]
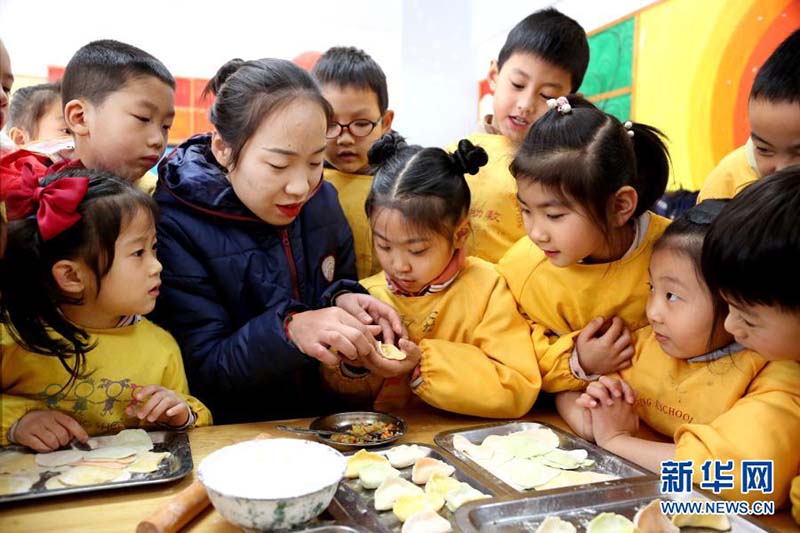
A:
[561,104]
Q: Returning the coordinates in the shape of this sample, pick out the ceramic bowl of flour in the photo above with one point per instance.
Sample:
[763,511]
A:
[272,483]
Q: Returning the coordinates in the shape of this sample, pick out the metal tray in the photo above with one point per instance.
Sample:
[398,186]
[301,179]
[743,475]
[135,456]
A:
[605,462]
[175,467]
[514,514]
[386,521]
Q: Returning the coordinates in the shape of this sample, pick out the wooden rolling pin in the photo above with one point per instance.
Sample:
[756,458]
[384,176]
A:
[181,509]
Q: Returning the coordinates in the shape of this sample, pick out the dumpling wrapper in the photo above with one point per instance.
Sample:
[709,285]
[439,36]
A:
[16,484]
[650,518]
[360,459]
[566,459]
[118,464]
[479,453]
[531,442]
[554,524]
[391,489]
[54,484]
[441,484]
[406,455]
[569,479]
[390,351]
[92,475]
[132,437]
[610,523]
[112,453]
[462,494]
[59,458]
[17,462]
[406,505]
[373,474]
[426,522]
[147,462]
[427,466]
[527,474]
[718,522]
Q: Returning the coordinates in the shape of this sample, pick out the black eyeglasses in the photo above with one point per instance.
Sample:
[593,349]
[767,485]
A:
[358,128]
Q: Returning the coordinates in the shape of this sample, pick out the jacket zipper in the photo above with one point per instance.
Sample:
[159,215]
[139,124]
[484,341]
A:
[287,249]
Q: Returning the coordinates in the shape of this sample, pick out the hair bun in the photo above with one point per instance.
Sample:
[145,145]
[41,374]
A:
[225,71]
[386,148]
[469,158]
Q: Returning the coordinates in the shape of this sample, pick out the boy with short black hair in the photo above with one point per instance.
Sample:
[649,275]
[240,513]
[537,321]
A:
[119,104]
[35,114]
[355,86]
[774,115]
[545,56]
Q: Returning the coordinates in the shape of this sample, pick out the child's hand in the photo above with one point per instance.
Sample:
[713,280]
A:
[577,416]
[389,368]
[45,431]
[370,310]
[604,352]
[606,390]
[611,419]
[163,406]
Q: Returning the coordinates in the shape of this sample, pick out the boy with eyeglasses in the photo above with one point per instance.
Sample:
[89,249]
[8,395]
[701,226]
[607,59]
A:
[355,86]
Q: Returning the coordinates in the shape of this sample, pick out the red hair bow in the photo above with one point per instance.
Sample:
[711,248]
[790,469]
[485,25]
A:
[56,204]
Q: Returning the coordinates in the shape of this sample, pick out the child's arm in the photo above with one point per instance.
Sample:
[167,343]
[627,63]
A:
[577,417]
[762,425]
[45,431]
[494,374]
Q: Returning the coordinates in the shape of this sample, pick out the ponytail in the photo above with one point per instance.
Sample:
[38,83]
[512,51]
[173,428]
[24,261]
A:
[652,165]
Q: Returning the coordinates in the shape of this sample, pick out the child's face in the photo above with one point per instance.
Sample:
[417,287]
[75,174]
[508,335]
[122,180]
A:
[411,257]
[521,90]
[348,152]
[51,124]
[565,233]
[679,308]
[126,134]
[775,130]
[768,330]
[6,81]
[131,286]
[281,163]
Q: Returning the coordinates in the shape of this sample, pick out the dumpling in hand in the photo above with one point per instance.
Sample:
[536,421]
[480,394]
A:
[424,468]
[426,522]
[391,489]
[373,474]
[406,455]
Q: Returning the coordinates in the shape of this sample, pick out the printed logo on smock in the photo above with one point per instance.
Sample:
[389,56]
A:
[329,267]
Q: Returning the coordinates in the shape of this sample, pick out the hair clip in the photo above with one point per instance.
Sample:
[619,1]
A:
[628,128]
[561,104]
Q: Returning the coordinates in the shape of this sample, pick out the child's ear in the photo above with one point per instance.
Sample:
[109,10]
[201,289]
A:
[461,234]
[70,276]
[388,118]
[221,150]
[493,73]
[623,205]
[19,136]
[75,116]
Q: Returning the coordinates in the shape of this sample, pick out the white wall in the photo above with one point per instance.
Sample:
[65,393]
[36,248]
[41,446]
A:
[428,49]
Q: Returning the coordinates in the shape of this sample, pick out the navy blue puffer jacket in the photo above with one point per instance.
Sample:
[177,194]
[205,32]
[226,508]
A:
[230,279]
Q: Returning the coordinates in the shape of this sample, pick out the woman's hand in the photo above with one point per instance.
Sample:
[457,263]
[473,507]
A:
[45,431]
[162,406]
[370,310]
[326,334]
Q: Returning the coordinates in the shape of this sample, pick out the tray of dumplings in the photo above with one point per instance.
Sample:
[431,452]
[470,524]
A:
[621,507]
[518,457]
[130,458]
[411,487]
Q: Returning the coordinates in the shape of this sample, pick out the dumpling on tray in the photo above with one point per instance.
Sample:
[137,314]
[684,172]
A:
[427,466]
[360,459]
[566,459]
[479,453]
[136,438]
[610,523]
[406,455]
[526,474]
[373,474]
[441,484]
[650,518]
[569,478]
[462,494]
[426,522]
[405,506]
[59,458]
[554,524]
[391,489]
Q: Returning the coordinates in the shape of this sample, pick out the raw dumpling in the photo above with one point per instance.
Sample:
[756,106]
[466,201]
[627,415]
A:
[531,442]
[60,458]
[553,524]
[569,479]
[360,459]
[53,483]
[566,459]
[462,494]
[424,468]
[390,351]
[391,489]
[405,506]
[426,522]
[16,484]
[610,523]
[527,474]
[479,453]
[137,438]
[650,518]
[406,455]
[147,462]
[441,484]
[718,522]
[373,474]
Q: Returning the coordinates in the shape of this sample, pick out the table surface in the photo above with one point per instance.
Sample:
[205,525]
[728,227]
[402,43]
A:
[122,509]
